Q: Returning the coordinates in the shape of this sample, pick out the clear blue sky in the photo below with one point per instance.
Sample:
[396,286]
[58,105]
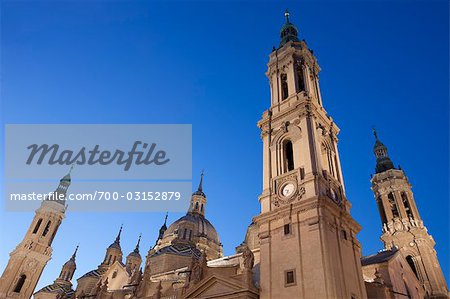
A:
[384,63]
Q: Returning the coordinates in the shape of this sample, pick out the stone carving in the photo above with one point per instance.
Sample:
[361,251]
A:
[198,268]
[249,258]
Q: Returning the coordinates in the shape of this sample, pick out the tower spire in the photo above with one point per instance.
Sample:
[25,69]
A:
[200,185]
[163,228]
[286,15]
[381,153]
[288,32]
[118,235]
[74,255]
[136,250]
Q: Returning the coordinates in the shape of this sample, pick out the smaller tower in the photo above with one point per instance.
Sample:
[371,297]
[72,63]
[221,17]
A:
[402,226]
[68,270]
[113,253]
[134,259]
[198,199]
[62,286]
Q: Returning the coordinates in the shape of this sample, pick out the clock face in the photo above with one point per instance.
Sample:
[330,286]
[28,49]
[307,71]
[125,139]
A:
[288,190]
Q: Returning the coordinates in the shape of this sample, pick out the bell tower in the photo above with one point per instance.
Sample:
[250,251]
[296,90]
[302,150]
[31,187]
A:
[402,226]
[308,241]
[29,258]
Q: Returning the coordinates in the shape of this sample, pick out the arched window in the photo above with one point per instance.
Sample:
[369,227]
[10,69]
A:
[284,87]
[20,283]
[109,259]
[288,156]
[381,210]
[190,234]
[201,208]
[393,205]
[184,234]
[38,224]
[46,229]
[327,159]
[114,275]
[300,79]
[196,206]
[51,239]
[411,263]
[406,205]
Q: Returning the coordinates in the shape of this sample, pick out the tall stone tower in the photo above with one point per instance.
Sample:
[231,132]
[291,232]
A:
[308,242]
[401,223]
[29,258]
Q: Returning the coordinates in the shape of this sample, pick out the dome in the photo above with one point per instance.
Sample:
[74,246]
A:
[201,227]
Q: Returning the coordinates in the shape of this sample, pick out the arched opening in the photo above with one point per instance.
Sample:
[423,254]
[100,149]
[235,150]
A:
[327,159]
[109,259]
[201,208]
[46,229]
[381,210]
[406,205]
[196,206]
[20,283]
[288,156]
[411,263]
[300,79]
[38,224]
[393,205]
[284,87]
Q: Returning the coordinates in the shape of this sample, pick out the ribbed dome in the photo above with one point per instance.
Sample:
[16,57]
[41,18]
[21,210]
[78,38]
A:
[202,227]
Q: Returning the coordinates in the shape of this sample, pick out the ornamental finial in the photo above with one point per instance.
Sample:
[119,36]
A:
[74,255]
[200,185]
[286,15]
[375,133]
[118,235]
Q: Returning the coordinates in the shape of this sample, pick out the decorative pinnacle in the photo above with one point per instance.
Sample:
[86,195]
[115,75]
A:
[375,133]
[71,167]
[286,15]
[200,185]
[118,235]
[137,245]
[165,219]
[74,255]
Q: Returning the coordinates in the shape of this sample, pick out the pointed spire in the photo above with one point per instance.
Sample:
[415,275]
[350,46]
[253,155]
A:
[375,133]
[136,250]
[381,153]
[118,235]
[163,228]
[288,32]
[286,15]
[200,185]
[74,255]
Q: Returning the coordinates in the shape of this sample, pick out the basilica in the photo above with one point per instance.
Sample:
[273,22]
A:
[302,244]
